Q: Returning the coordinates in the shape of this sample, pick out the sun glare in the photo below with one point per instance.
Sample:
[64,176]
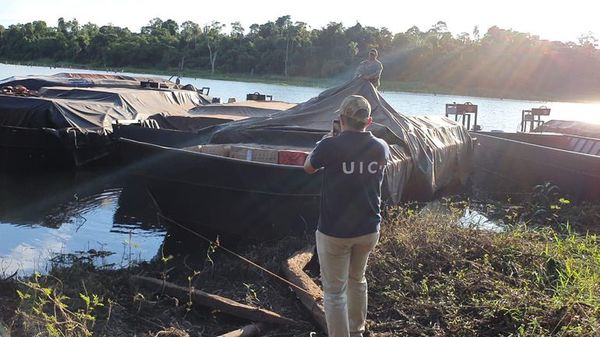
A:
[585,112]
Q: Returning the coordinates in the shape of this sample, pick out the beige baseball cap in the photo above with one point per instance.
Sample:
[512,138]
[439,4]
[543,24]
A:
[356,107]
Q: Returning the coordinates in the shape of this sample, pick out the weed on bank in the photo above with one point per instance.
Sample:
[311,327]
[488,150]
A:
[433,275]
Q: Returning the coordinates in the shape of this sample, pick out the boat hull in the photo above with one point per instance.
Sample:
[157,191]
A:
[39,148]
[225,195]
[515,163]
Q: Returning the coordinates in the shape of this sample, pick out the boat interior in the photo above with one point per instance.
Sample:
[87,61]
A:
[271,154]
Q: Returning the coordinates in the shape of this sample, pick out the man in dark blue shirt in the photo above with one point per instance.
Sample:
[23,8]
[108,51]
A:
[348,228]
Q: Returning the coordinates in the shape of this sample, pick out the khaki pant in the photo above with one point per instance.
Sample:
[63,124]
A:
[343,263]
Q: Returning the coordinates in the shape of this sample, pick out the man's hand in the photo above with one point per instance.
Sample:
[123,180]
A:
[327,135]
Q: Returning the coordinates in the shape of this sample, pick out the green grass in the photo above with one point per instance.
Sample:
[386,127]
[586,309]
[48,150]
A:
[448,280]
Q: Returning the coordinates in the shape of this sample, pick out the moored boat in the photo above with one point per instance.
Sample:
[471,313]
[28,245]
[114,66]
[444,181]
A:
[513,163]
[251,170]
[67,120]
[223,194]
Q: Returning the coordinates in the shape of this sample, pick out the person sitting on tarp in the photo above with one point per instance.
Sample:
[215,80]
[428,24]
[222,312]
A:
[370,69]
[353,165]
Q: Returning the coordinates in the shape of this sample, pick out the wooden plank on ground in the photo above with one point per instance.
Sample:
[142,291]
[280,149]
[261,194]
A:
[312,297]
[221,303]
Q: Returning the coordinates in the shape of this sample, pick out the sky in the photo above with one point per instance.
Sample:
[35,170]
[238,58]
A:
[550,19]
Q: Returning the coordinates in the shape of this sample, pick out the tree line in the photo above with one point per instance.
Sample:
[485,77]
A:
[499,62]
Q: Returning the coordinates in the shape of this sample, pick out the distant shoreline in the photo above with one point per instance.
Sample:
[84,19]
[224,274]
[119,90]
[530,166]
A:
[394,86]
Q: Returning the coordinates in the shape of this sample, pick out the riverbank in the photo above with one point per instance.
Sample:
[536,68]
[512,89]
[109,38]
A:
[387,85]
[432,274]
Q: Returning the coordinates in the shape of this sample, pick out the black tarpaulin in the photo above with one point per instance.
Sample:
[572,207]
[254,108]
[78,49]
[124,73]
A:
[36,82]
[37,112]
[203,116]
[139,102]
[440,149]
[93,108]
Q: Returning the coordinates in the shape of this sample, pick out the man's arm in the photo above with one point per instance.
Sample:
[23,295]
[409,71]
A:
[308,168]
[375,73]
[317,158]
[359,70]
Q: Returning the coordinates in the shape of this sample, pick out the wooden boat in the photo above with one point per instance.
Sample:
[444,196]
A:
[222,194]
[510,163]
[231,179]
[232,196]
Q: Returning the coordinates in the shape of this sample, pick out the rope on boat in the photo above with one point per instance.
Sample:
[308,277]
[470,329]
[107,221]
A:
[217,244]
[228,188]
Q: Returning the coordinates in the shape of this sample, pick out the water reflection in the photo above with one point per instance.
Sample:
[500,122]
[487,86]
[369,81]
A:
[90,211]
[43,214]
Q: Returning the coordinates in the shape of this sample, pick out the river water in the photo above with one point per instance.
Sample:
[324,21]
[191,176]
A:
[90,211]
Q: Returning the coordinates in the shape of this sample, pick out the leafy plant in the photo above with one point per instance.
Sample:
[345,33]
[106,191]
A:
[46,311]
[251,294]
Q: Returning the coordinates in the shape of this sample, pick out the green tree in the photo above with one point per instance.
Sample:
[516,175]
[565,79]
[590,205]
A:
[501,62]
[213,38]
